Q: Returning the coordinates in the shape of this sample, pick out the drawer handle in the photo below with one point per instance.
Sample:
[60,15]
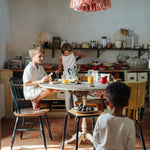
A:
[131,78]
[142,77]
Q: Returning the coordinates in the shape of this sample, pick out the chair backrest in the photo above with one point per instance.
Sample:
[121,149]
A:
[136,106]
[16,86]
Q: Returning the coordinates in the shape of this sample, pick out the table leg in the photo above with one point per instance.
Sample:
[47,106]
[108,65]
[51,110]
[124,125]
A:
[77,131]
[83,135]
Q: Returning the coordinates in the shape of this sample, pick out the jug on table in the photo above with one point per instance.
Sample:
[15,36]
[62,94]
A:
[103,80]
[104,77]
[73,73]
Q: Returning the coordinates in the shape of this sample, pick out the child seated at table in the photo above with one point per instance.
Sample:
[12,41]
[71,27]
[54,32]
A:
[34,75]
[113,130]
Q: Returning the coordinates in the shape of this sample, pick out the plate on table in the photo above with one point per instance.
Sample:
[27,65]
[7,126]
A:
[84,112]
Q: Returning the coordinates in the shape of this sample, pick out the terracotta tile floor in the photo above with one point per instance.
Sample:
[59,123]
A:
[33,139]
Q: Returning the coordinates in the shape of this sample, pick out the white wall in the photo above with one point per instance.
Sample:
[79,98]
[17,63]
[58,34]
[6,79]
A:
[4,37]
[4,30]
[29,17]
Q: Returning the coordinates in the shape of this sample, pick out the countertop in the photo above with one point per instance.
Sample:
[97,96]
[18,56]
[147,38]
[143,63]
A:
[85,71]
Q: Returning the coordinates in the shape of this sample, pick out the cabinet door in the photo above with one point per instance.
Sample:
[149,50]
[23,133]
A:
[142,76]
[132,77]
[60,94]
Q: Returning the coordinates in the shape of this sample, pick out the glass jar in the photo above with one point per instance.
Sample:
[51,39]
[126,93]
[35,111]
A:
[132,63]
[104,41]
[96,77]
[90,76]
[64,79]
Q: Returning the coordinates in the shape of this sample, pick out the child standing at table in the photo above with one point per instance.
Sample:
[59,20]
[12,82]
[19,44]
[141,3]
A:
[113,130]
[68,60]
[34,75]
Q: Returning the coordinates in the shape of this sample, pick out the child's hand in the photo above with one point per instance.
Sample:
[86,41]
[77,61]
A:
[49,79]
[45,79]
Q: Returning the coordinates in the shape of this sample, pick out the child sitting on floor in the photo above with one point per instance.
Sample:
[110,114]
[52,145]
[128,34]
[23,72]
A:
[34,75]
[113,130]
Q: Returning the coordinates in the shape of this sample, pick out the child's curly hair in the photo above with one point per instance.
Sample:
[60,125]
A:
[118,93]
[35,48]
[66,46]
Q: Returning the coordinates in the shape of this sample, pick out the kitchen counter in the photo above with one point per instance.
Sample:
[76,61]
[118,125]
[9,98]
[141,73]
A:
[120,70]
[117,73]
[85,71]
[135,75]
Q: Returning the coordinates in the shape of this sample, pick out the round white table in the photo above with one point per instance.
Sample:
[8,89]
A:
[84,86]
[83,90]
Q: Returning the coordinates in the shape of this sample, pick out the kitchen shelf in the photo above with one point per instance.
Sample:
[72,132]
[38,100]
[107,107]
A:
[130,49]
[100,49]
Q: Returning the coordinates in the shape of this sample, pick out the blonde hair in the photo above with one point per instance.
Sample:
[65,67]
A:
[36,48]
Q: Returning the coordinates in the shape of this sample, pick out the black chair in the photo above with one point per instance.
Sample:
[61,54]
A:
[21,112]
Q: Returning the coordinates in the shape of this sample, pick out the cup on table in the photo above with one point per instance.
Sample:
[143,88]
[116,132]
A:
[90,80]
[64,79]
[90,76]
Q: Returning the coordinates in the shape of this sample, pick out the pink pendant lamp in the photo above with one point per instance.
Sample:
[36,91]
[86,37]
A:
[90,5]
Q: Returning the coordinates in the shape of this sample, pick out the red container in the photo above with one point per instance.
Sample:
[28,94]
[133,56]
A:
[103,80]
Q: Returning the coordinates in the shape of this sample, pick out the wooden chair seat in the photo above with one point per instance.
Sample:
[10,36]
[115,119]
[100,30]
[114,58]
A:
[29,112]
[78,116]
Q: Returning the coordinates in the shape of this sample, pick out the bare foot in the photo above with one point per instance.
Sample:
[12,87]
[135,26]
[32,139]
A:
[70,116]
[35,105]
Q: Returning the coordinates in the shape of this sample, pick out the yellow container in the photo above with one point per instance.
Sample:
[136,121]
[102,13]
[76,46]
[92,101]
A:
[90,80]
[65,81]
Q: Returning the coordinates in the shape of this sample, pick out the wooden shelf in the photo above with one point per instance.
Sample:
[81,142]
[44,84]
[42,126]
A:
[100,49]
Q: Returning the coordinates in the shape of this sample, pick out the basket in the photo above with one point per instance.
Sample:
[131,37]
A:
[124,31]
[109,64]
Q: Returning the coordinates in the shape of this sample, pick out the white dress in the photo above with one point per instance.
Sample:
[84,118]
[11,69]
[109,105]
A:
[32,73]
[115,133]
[69,62]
